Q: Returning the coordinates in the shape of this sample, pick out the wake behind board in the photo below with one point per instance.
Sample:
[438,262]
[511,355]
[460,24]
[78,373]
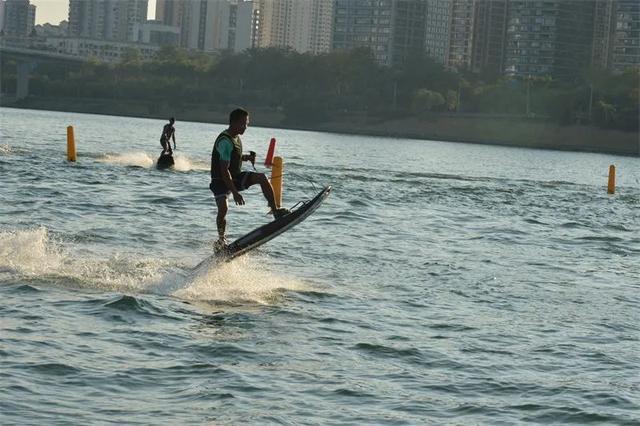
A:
[165,161]
[266,232]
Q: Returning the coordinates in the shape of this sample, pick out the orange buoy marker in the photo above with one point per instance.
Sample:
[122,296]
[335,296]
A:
[276,179]
[268,162]
[71,145]
[611,187]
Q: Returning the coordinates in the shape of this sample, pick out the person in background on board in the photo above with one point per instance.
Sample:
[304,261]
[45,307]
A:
[227,176]
[168,133]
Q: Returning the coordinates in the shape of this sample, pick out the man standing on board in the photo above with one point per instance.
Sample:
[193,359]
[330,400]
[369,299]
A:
[227,176]
[168,133]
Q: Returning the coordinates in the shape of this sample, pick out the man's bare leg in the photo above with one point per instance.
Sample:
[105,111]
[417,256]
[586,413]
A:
[221,220]
[265,185]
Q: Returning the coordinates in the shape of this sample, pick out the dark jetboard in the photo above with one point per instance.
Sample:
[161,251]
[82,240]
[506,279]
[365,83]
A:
[266,232]
[165,161]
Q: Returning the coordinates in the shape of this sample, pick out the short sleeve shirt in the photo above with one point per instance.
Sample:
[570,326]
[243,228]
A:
[225,147]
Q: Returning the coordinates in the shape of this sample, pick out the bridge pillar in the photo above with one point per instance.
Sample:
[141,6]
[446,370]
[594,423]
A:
[23,70]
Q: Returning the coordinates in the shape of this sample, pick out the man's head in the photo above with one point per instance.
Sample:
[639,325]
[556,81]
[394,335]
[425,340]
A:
[172,120]
[238,121]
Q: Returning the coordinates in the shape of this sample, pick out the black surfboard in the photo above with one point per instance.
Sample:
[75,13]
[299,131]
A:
[266,232]
[165,161]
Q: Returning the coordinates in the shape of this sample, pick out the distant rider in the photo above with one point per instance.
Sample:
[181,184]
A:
[227,175]
[168,133]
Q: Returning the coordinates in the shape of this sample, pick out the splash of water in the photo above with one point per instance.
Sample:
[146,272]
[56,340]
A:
[5,149]
[32,255]
[240,281]
[133,159]
[29,252]
[183,163]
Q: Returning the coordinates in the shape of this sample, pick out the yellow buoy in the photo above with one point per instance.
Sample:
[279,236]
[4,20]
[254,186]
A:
[611,187]
[276,179]
[71,144]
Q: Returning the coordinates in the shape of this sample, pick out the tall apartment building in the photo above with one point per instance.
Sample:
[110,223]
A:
[31,18]
[205,25]
[304,26]
[18,18]
[461,31]
[438,24]
[106,19]
[626,39]
[489,36]
[603,29]
[169,12]
[467,33]
[549,37]
[392,29]
[616,43]
[209,25]
[241,20]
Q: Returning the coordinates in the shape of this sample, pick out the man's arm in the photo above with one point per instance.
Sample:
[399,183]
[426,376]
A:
[173,135]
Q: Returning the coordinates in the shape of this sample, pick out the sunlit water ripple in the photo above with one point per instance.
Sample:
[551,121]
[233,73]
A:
[440,283]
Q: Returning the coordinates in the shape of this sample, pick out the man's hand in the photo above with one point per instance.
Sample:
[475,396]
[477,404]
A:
[237,197]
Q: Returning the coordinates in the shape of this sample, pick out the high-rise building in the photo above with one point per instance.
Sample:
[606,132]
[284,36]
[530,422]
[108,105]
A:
[549,37]
[392,29]
[19,18]
[2,7]
[461,31]
[616,40]
[603,29]
[467,33]
[241,18]
[438,23]
[489,36]
[304,26]
[169,12]
[204,24]
[209,25]
[106,19]
[31,18]
[626,38]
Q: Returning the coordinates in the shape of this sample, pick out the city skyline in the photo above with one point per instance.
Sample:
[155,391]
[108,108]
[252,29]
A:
[54,11]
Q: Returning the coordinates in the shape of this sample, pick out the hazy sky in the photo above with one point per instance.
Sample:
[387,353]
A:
[54,11]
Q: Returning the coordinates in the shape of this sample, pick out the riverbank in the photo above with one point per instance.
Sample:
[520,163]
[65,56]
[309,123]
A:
[481,129]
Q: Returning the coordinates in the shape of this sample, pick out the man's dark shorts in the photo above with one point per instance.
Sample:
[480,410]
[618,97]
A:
[220,190]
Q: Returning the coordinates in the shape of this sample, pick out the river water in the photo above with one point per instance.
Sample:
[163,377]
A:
[440,283]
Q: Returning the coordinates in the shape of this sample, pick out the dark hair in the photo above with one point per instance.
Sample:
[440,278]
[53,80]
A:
[237,114]
[172,119]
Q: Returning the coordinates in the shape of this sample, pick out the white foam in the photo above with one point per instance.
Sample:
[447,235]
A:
[5,149]
[243,280]
[136,159]
[183,163]
[29,252]
[34,255]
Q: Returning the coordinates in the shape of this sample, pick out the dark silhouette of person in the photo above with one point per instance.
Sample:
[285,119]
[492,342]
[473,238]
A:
[168,133]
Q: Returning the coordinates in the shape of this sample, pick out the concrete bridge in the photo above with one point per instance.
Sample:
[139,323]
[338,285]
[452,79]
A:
[28,59]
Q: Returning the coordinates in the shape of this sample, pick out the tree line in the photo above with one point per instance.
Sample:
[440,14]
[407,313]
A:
[309,89]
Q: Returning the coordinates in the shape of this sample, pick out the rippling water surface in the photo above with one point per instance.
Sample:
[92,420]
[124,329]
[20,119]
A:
[440,283]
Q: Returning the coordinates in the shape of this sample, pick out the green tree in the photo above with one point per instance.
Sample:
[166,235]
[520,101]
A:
[426,100]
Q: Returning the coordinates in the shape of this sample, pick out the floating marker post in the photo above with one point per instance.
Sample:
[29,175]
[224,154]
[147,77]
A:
[611,187]
[276,179]
[71,145]
[268,162]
